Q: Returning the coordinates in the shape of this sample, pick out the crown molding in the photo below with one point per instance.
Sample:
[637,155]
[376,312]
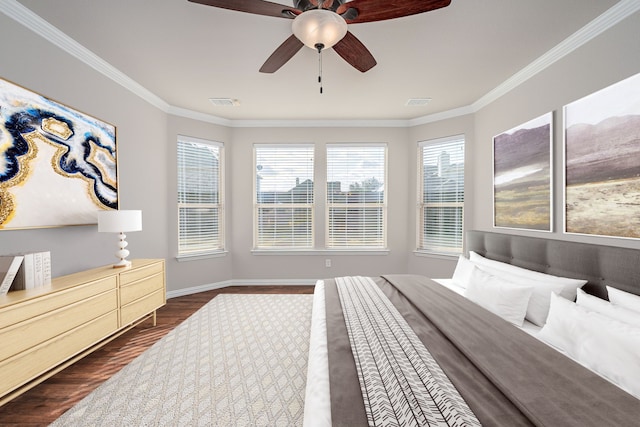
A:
[608,19]
[320,123]
[449,114]
[208,118]
[35,23]
[196,115]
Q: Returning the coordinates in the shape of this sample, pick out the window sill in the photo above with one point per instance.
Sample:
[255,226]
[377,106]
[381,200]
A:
[306,252]
[435,255]
[196,257]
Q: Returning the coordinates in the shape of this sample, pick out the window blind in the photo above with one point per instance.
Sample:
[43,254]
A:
[356,196]
[441,195]
[200,196]
[283,196]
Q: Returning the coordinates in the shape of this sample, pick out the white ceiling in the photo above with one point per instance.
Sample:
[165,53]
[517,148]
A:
[186,53]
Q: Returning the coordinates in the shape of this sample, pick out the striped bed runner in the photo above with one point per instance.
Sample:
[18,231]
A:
[401,383]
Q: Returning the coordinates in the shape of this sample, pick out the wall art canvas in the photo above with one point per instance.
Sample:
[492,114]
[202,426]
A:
[57,165]
[522,176]
[602,162]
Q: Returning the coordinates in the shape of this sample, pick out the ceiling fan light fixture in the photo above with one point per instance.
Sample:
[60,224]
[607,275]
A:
[319,27]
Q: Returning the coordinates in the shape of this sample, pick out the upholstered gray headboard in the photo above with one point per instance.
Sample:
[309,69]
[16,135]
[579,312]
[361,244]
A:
[599,264]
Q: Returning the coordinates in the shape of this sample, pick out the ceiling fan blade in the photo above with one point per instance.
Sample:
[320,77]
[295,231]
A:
[282,54]
[259,7]
[380,10]
[355,53]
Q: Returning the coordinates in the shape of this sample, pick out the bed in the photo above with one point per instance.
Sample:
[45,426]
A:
[503,374]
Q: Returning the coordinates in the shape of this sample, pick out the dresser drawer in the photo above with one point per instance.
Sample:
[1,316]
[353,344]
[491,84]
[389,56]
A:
[141,307]
[138,273]
[30,333]
[140,288]
[28,365]
[34,307]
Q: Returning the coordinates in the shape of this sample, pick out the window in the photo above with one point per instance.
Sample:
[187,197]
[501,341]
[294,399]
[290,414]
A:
[283,196]
[200,197]
[356,196]
[441,195]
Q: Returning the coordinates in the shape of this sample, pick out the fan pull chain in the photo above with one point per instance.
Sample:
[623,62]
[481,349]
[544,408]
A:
[320,71]
[320,46]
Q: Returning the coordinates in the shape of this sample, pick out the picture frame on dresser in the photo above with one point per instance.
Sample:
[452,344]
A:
[61,164]
[601,151]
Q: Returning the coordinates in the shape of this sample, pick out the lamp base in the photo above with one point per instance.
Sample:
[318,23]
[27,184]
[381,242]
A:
[122,253]
[122,264]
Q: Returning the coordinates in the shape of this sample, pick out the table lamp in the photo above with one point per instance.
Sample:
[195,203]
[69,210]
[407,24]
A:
[120,221]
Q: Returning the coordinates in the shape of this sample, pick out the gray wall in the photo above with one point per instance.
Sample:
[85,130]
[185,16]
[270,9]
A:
[147,166]
[248,265]
[607,59]
[438,266]
[34,63]
[201,272]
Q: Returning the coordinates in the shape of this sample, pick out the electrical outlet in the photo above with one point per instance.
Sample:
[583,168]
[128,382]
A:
[327,263]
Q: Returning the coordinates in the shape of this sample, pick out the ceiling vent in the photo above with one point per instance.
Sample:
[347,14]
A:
[224,102]
[417,102]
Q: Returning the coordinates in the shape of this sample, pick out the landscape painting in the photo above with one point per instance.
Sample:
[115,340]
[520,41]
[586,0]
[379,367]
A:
[522,175]
[57,165]
[602,162]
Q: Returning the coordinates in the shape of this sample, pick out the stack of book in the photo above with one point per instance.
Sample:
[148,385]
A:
[24,271]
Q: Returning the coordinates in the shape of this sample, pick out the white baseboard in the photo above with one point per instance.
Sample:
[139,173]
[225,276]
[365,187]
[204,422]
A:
[240,282]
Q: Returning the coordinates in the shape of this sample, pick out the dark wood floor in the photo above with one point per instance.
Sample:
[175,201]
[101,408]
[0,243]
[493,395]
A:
[44,403]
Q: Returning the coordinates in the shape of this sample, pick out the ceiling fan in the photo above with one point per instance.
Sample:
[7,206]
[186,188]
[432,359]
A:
[338,13]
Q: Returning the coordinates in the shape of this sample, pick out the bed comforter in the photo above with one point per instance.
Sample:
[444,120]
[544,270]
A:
[505,376]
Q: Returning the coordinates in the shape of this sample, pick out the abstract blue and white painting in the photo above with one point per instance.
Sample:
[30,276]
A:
[57,165]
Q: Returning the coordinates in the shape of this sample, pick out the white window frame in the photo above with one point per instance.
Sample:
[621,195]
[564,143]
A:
[440,244]
[258,243]
[219,247]
[333,245]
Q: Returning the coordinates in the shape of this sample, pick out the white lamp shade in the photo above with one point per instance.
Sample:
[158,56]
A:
[119,221]
[319,26]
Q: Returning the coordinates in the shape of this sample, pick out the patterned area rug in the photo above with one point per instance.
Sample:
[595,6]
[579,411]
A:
[241,360]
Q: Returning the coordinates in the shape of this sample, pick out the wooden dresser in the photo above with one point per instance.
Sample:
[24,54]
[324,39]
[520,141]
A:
[44,330]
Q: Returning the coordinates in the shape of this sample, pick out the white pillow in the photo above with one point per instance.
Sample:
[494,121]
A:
[507,300]
[605,345]
[625,299]
[563,326]
[608,309]
[462,273]
[538,307]
[570,285]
